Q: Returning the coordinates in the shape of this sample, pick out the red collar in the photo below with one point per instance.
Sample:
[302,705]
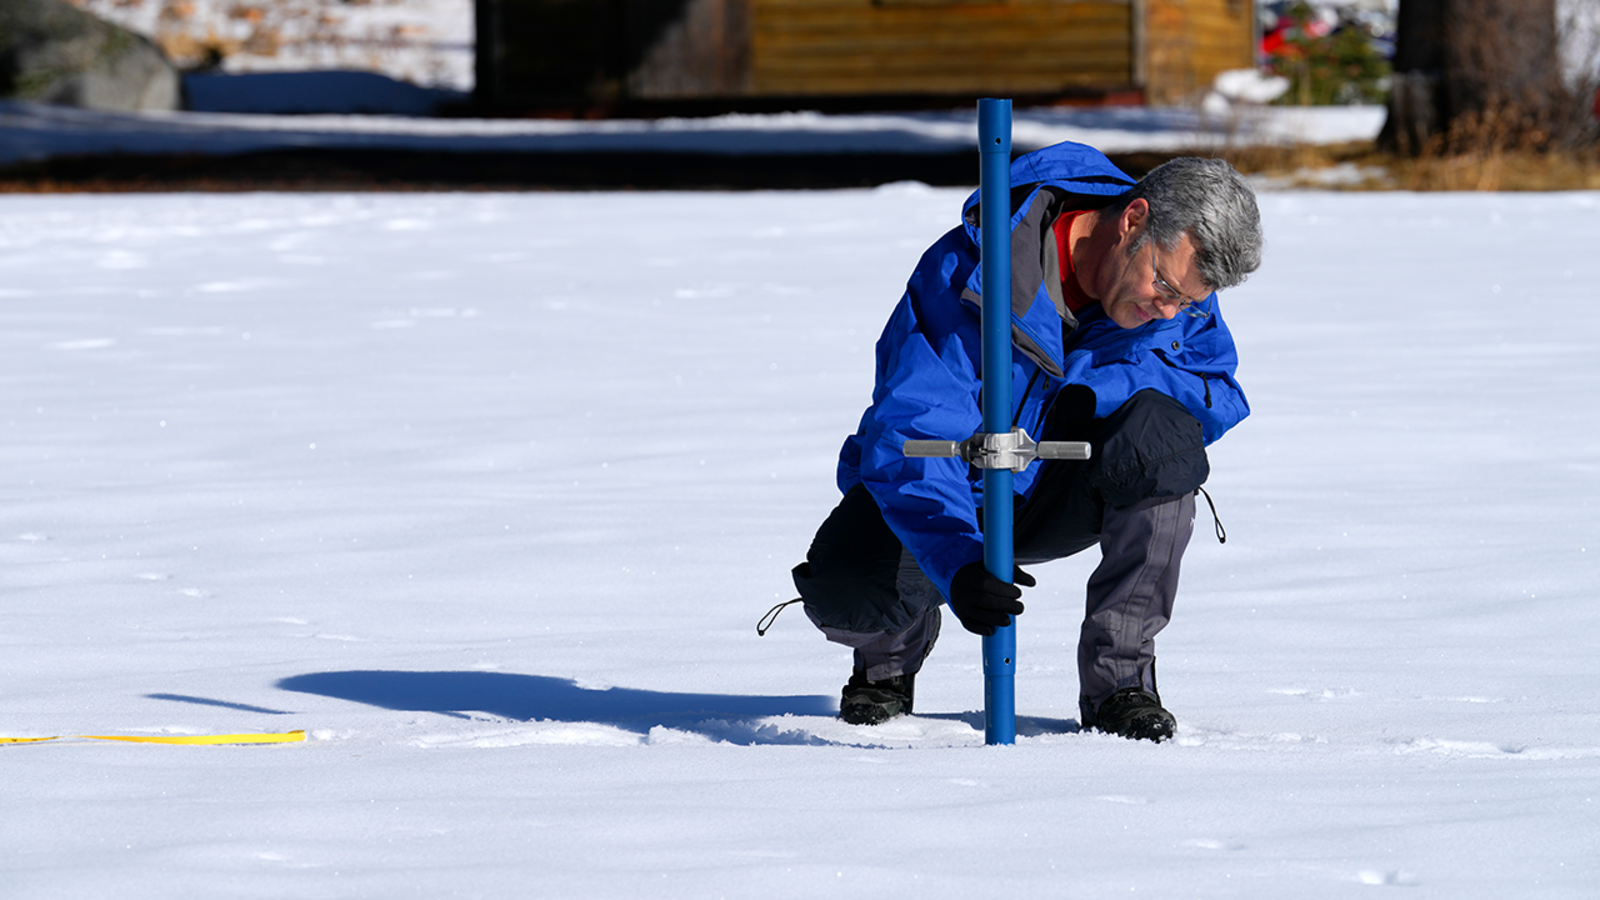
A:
[1071,291]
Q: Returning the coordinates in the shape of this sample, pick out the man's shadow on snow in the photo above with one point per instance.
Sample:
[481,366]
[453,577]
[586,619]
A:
[727,717]
[733,718]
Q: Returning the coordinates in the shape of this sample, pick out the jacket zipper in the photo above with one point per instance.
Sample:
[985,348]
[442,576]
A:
[1017,416]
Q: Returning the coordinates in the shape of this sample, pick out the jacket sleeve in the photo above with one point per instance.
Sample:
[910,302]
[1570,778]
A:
[1201,368]
[1190,360]
[926,390]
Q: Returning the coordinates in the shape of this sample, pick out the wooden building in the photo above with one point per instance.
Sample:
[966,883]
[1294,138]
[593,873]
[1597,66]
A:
[594,55]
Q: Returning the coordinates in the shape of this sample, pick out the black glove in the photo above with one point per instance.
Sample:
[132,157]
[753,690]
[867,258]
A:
[983,602]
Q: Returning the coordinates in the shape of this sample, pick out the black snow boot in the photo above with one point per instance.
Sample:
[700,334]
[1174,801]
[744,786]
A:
[872,702]
[1135,713]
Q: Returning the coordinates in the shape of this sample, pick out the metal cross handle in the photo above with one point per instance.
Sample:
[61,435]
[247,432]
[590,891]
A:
[1012,450]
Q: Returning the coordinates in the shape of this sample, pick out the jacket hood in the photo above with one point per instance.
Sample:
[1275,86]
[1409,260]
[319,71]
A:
[1074,168]
[1043,183]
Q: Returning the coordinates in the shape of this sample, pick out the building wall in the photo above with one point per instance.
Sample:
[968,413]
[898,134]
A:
[601,52]
[938,46]
[1188,42]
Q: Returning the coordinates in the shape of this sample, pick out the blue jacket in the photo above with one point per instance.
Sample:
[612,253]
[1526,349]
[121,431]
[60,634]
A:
[928,362]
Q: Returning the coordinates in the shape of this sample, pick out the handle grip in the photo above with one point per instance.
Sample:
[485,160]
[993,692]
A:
[1063,450]
[932,448]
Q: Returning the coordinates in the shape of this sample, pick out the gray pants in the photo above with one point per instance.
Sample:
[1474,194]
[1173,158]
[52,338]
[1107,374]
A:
[1130,594]
[1135,499]
[1129,600]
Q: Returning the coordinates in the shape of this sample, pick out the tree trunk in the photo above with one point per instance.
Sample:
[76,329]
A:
[1480,72]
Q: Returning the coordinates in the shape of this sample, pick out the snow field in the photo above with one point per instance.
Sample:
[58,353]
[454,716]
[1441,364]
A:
[486,492]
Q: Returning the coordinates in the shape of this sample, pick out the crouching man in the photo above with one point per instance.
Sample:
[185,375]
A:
[1117,340]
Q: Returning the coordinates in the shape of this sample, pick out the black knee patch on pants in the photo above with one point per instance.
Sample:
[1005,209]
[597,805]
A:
[1150,447]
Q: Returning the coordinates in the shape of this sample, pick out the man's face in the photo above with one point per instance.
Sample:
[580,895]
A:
[1143,283]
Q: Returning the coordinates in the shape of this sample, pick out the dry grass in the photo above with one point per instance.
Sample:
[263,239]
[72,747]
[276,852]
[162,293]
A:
[1361,166]
[1500,170]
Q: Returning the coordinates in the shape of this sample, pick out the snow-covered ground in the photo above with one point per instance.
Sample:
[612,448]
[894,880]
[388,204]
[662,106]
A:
[487,492]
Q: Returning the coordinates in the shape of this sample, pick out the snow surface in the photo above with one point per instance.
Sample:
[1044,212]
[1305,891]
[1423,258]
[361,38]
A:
[487,493]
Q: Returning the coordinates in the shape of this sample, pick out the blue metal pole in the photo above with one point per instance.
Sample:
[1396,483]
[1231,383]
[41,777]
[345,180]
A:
[994,220]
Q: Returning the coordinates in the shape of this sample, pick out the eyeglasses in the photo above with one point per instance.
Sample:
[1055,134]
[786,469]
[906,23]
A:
[1169,293]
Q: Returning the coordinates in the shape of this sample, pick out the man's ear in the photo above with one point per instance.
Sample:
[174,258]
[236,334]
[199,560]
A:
[1134,216]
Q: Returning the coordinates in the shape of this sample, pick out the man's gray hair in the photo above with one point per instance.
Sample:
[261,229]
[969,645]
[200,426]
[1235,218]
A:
[1209,201]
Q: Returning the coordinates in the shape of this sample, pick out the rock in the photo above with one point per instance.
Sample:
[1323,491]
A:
[53,52]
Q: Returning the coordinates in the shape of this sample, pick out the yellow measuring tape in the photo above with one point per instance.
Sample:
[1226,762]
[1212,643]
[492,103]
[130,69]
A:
[283,737]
